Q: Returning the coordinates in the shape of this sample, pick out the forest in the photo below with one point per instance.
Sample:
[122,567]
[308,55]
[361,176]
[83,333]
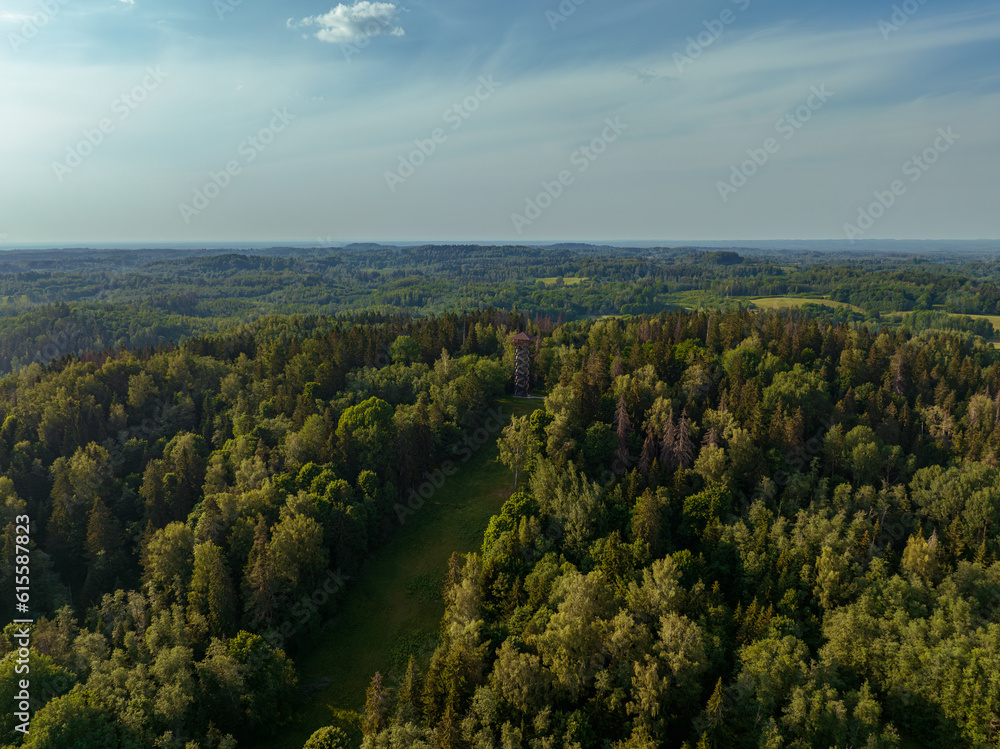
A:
[61,302]
[732,525]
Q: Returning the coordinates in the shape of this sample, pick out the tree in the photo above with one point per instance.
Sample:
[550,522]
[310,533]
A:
[404,350]
[376,715]
[623,429]
[309,444]
[77,483]
[599,447]
[923,558]
[77,720]
[518,446]
[668,448]
[646,521]
[105,558]
[714,713]
[168,562]
[328,737]
[270,682]
[364,435]
[212,598]
[47,680]
[409,705]
[184,458]
[297,554]
[573,645]
[260,580]
[648,452]
[684,448]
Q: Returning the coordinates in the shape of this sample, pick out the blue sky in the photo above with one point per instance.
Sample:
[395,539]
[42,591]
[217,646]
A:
[304,121]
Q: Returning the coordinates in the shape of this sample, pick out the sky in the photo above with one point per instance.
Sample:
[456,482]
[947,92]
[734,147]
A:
[582,120]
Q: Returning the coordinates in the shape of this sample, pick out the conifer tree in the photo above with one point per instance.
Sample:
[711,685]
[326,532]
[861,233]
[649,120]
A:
[623,428]
[376,715]
[668,450]
[685,446]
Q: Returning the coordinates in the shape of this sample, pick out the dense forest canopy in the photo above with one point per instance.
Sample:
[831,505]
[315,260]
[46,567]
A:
[733,527]
[63,302]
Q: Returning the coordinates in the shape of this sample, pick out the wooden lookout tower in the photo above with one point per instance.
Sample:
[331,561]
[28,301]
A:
[522,356]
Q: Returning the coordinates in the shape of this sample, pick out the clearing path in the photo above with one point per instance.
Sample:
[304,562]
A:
[393,607]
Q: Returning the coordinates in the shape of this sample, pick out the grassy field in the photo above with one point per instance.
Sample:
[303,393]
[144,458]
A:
[994,319]
[394,607]
[781,302]
[567,280]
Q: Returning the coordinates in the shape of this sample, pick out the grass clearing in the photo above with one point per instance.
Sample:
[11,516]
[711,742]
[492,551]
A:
[567,280]
[393,607]
[782,302]
[993,319]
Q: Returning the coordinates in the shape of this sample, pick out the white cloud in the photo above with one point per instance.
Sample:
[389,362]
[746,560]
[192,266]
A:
[7,17]
[346,23]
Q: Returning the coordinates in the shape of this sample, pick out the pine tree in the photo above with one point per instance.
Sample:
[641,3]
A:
[617,369]
[409,704]
[668,450]
[105,557]
[981,554]
[898,374]
[104,534]
[448,733]
[259,583]
[711,438]
[212,598]
[648,452]
[376,716]
[685,446]
[211,526]
[714,712]
[623,428]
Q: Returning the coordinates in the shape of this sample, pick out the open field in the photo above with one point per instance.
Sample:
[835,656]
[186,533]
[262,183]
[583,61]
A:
[994,319]
[393,607]
[781,302]
[567,280]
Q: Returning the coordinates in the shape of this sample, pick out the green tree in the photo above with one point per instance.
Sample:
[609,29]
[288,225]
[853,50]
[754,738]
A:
[212,597]
[518,446]
[270,683]
[77,720]
[365,434]
[376,715]
[328,737]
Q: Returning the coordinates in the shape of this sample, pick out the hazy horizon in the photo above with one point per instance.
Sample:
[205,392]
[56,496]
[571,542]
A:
[905,246]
